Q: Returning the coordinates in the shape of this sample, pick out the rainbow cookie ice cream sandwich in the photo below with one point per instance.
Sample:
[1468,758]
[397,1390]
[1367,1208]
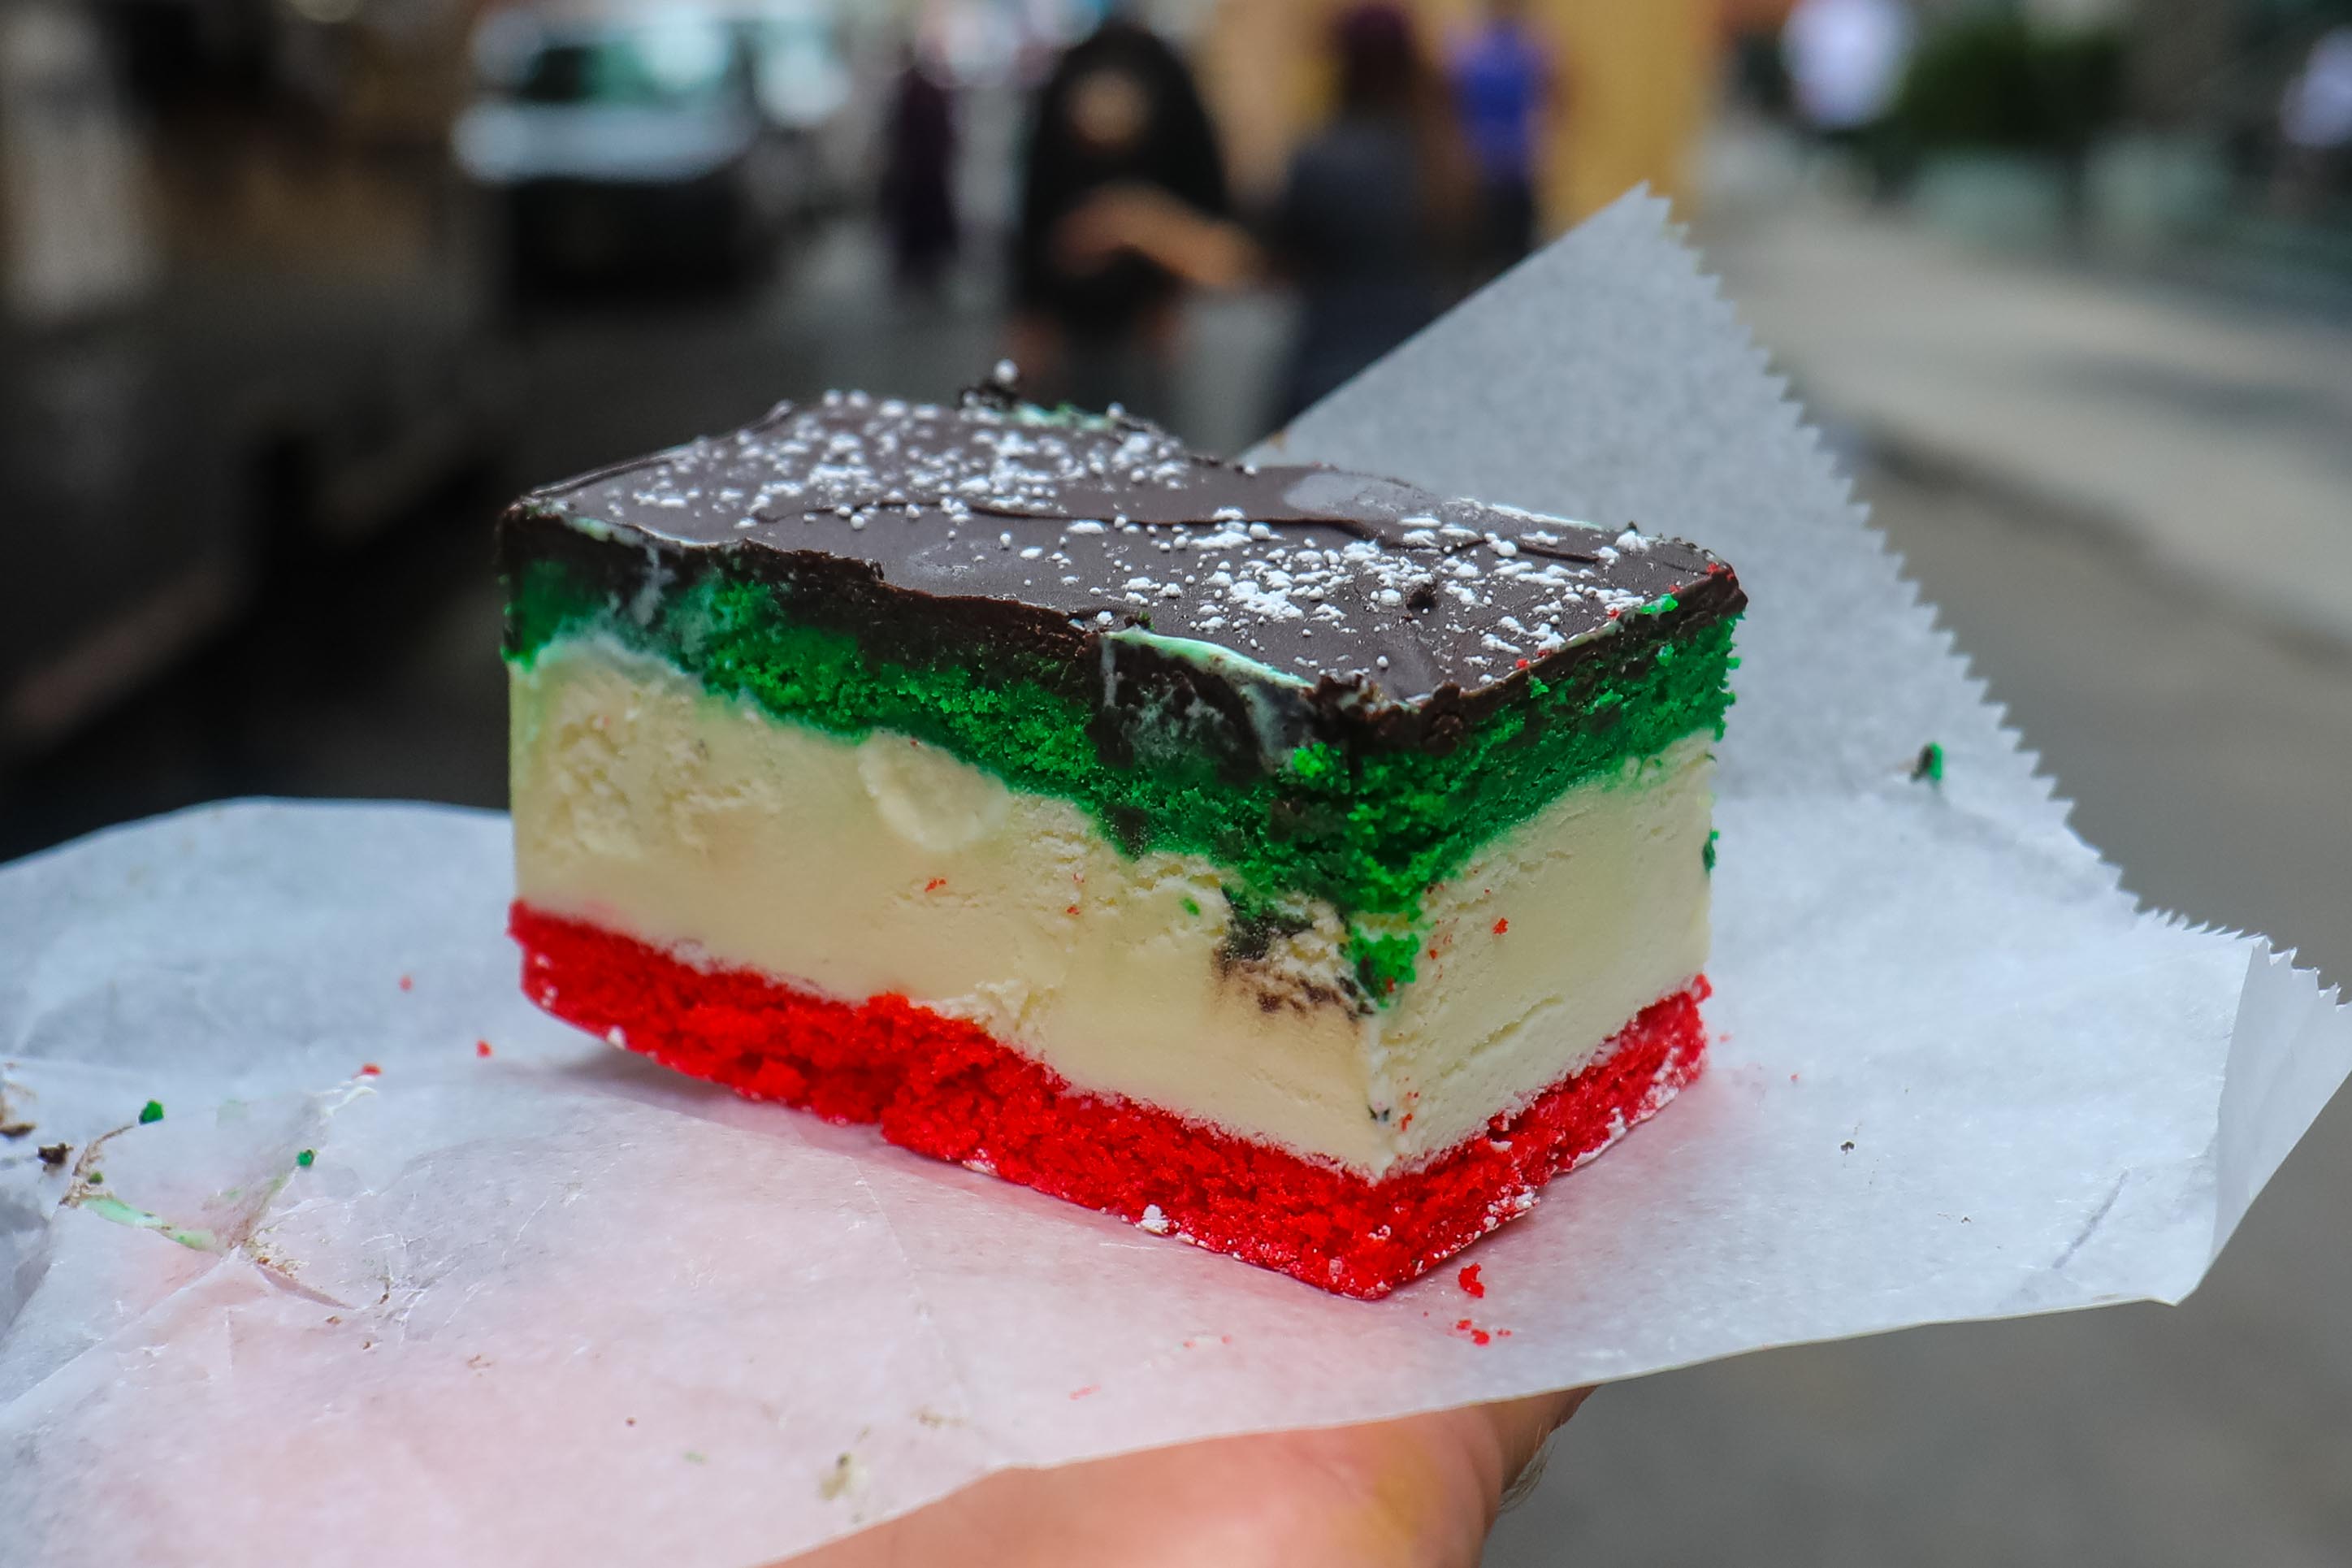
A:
[1279,858]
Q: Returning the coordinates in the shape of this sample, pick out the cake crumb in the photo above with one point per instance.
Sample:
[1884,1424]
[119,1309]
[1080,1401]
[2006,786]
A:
[1470,1283]
[1501,927]
[150,1113]
[53,1154]
[846,1478]
[1930,768]
[1478,1336]
[408,983]
[482,1047]
[369,1069]
[1154,1221]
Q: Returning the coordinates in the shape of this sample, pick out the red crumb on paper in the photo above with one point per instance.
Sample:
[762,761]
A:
[935,884]
[369,1069]
[481,1047]
[1471,1282]
[1082,1393]
[1071,911]
[407,983]
[1477,1335]
[1502,926]
[946,1088]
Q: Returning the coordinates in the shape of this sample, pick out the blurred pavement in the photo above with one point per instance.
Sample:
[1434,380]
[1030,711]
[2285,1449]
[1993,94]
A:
[2215,436]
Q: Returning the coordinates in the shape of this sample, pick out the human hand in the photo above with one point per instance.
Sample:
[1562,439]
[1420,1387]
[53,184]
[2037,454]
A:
[1420,1492]
[1118,218]
[1134,219]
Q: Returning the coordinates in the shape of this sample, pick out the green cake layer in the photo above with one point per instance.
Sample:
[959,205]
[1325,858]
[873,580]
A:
[1367,831]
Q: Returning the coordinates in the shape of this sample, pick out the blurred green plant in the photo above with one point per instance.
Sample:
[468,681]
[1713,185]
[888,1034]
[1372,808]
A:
[1992,81]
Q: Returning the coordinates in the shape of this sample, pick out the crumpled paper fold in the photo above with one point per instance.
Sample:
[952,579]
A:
[408,1273]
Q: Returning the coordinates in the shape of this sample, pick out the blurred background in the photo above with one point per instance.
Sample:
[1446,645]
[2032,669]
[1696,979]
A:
[295,293]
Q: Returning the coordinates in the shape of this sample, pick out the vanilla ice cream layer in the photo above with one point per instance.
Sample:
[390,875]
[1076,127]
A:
[856,868]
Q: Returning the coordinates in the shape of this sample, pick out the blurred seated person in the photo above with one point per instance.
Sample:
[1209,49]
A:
[1094,307]
[1373,204]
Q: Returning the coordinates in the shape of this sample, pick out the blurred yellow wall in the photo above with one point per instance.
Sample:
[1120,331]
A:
[1640,77]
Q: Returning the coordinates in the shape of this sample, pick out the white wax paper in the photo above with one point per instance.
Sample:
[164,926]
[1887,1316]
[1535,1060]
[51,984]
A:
[557,1306]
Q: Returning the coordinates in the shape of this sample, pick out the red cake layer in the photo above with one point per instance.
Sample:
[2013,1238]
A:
[948,1088]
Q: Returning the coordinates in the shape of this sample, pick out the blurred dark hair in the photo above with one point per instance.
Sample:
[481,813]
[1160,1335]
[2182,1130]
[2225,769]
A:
[1379,59]
[1176,130]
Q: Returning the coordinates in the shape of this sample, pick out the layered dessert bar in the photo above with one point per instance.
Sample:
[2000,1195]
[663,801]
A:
[1281,859]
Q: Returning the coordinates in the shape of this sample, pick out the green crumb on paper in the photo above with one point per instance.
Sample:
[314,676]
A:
[120,1212]
[1706,856]
[151,1111]
[96,1178]
[306,1157]
[1930,768]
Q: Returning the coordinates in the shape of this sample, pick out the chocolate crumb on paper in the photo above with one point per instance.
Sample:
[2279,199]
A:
[11,1124]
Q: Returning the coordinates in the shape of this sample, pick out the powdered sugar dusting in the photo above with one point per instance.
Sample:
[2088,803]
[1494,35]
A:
[1109,523]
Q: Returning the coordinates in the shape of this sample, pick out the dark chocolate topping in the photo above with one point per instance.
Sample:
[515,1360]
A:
[1323,576]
